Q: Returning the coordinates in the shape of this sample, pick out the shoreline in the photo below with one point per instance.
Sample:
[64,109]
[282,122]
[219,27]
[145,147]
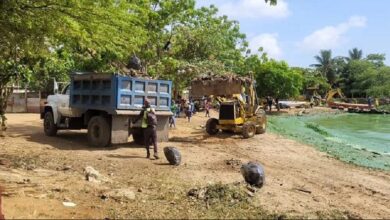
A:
[318,137]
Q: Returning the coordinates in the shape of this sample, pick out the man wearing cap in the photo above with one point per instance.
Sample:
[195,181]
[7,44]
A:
[149,128]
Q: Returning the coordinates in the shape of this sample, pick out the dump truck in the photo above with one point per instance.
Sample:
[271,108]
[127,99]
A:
[239,112]
[106,105]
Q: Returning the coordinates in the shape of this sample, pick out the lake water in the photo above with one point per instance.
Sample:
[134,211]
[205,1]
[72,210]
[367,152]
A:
[356,138]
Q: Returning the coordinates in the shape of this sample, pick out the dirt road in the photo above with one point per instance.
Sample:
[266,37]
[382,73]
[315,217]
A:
[39,173]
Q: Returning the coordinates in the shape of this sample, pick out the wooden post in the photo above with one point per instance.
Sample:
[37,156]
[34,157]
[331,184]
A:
[25,98]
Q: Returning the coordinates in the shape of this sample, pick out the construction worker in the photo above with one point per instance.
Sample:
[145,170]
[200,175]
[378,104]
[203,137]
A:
[369,102]
[172,118]
[149,128]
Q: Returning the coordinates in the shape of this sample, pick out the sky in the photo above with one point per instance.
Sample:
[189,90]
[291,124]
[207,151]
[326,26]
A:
[296,30]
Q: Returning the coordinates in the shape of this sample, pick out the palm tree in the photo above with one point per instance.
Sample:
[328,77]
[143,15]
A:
[355,54]
[325,65]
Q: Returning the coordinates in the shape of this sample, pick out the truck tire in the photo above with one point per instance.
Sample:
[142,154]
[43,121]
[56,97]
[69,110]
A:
[248,129]
[262,128]
[49,127]
[211,126]
[138,136]
[99,131]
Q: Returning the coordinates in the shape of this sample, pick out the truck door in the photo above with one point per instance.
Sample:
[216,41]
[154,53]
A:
[63,102]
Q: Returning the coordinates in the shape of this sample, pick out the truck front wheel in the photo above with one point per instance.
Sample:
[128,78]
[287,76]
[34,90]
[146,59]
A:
[99,132]
[49,126]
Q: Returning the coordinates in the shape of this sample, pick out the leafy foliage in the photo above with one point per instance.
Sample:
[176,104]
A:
[325,64]
[277,79]
[355,54]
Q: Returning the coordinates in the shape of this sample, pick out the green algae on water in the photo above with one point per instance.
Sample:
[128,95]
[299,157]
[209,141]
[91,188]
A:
[358,139]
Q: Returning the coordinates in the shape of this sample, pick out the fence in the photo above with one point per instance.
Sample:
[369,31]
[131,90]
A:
[24,101]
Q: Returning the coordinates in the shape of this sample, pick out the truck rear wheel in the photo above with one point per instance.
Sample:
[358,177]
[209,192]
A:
[211,126]
[248,129]
[49,127]
[99,132]
[138,136]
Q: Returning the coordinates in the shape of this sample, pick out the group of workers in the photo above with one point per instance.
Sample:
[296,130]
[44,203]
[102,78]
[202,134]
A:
[189,109]
[270,102]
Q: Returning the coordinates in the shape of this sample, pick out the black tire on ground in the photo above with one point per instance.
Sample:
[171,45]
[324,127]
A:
[49,127]
[211,126]
[99,131]
[227,131]
[138,136]
[262,128]
[248,129]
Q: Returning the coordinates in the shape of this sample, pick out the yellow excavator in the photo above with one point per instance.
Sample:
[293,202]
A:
[239,110]
[331,93]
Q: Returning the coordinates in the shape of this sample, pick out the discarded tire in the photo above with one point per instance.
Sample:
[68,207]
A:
[253,174]
[173,155]
[211,126]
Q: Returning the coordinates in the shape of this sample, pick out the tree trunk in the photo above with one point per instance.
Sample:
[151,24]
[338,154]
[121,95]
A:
[5,92]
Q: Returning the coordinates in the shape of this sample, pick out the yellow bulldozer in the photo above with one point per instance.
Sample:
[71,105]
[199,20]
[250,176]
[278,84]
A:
[239,108]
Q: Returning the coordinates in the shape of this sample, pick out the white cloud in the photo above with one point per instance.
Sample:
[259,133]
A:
[330,37]
[238,9]
[270,44]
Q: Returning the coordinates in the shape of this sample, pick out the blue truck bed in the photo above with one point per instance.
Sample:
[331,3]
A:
[112,92]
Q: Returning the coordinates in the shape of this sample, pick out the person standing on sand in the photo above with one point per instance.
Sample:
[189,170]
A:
[172,118]
[208,107]
[189,113]
[369,102]
[149,128]
[269,103]
[277,104]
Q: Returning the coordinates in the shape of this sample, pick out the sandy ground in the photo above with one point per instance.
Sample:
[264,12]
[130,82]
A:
[38,173]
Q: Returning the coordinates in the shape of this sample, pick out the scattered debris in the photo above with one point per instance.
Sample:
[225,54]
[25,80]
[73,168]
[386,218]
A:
[24,181]
[303,190]
[42,196]
[91,174]
[233,163]
[5,162]
[218,85]
[69,204]
[253,174]
[67,167]
[173,155]
[119,194]
[217,193]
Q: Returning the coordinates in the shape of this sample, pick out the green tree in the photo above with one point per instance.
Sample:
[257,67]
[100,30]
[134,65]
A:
[312,79]
[31,30]
[325,64]
[277,79]
[380,84]
[355,54]
[377,59]
[356,74]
